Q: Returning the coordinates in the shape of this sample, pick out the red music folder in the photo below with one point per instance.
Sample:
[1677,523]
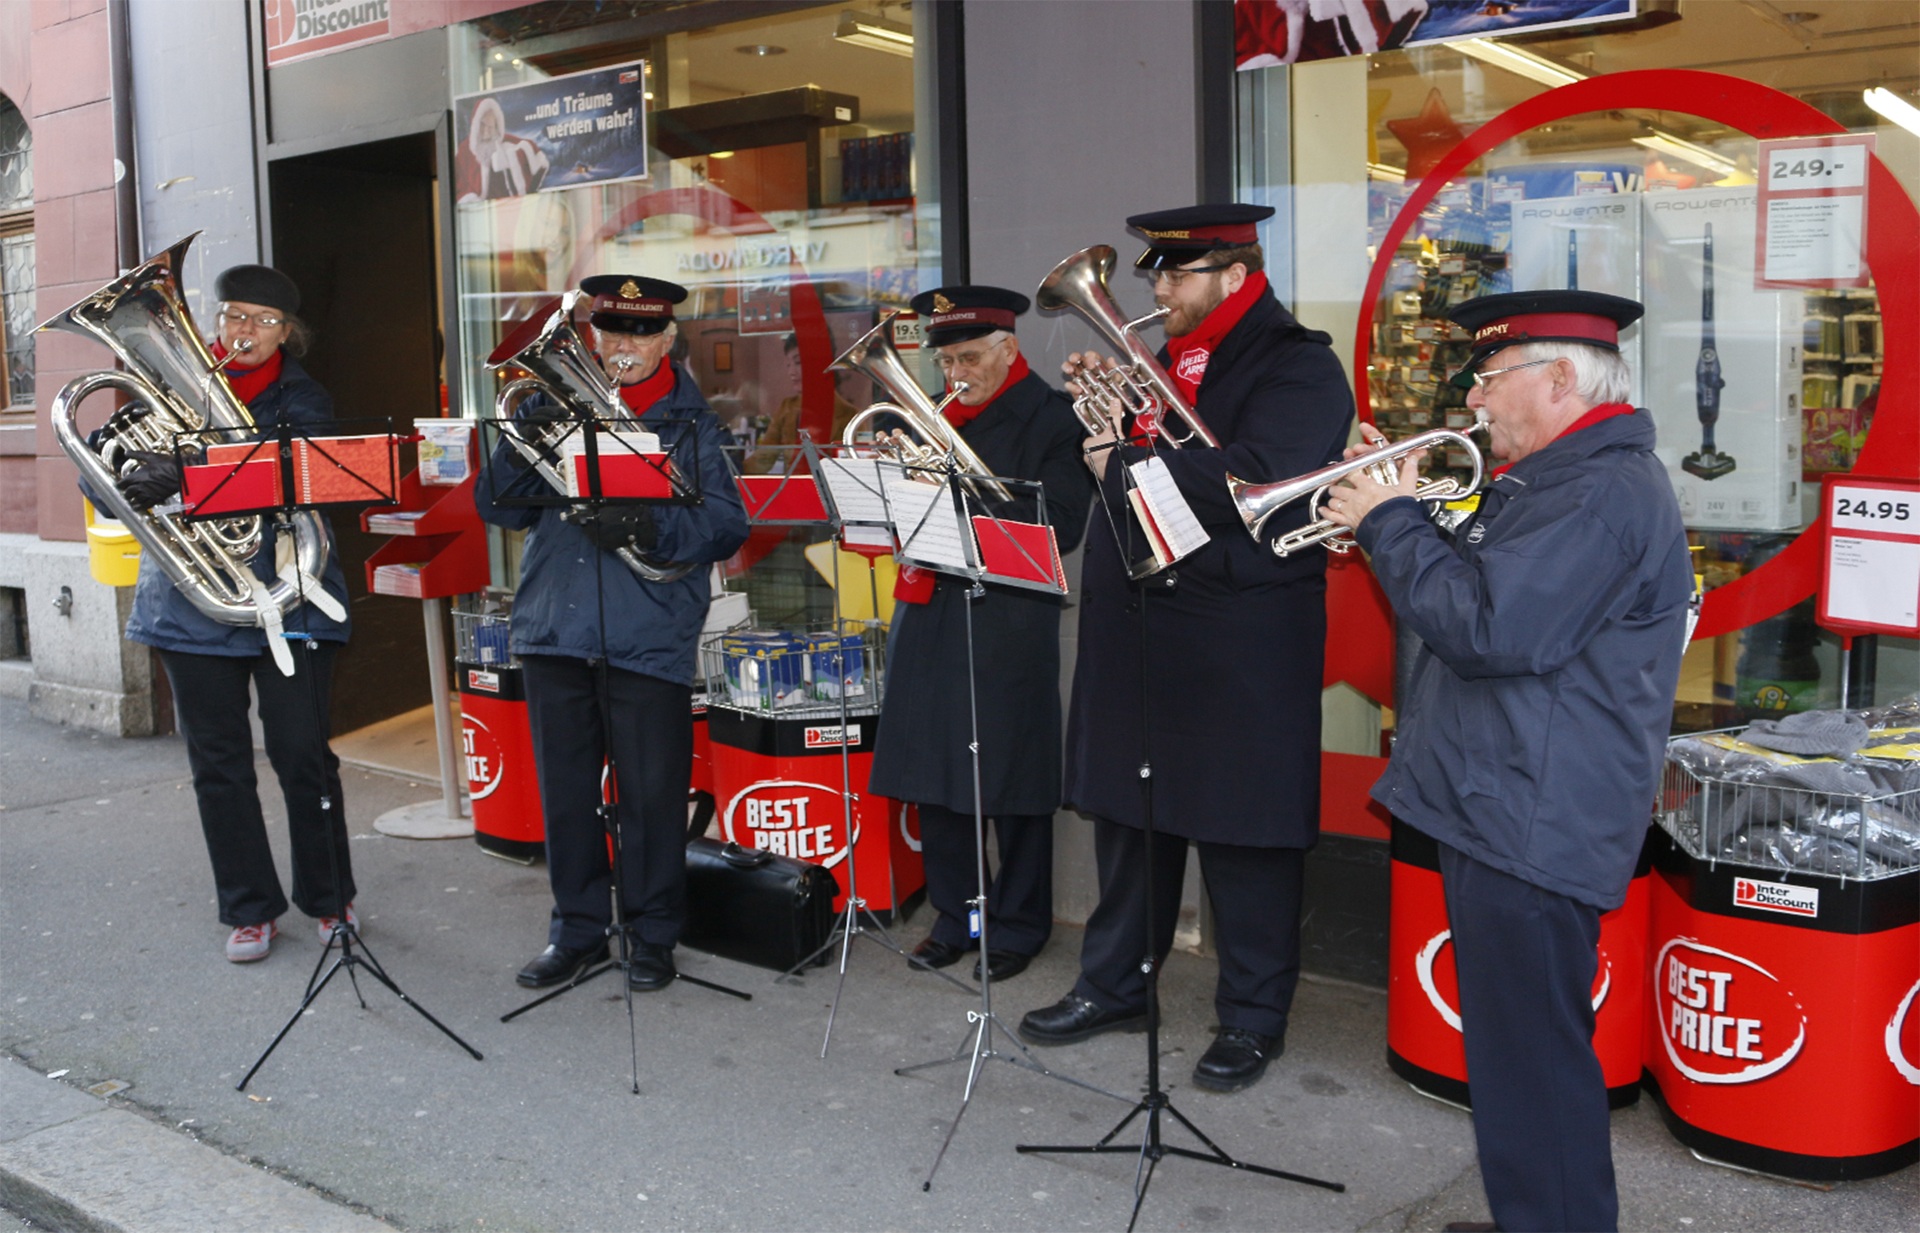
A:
[1020,551]
[330,470]
[234,479]
[626,475]
[782,498]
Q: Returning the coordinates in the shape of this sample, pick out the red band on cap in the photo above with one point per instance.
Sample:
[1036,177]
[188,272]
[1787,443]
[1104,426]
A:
[1232,234]
[1592,328]
[998,318]
[632,308]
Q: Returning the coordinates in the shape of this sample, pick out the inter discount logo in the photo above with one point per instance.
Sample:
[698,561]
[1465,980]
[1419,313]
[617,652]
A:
[1779,897]
[1724,1018]
[789,817]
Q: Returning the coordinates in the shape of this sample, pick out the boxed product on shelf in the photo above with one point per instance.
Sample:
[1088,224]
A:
[1589,243]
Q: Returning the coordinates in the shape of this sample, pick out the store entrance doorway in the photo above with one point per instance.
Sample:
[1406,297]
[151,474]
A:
[354,228]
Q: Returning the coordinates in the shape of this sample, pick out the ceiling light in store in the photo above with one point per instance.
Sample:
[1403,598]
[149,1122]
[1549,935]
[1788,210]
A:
[1894,108]
[1699,156]
[1525,63]
[721,154]
[1387,172]
[761,49]
[875,33]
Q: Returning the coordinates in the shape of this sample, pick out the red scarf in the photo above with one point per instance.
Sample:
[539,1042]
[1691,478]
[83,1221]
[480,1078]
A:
[642,394]
[249,383]
[1188,354]
[1605,411]
[960,415]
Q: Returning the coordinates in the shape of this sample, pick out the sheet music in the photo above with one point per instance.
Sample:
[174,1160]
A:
[929,526]
[1173,518]
[856,488]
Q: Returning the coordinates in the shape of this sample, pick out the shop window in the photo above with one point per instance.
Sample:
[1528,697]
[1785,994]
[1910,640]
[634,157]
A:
[1652,192]
[16,259]
[785,177]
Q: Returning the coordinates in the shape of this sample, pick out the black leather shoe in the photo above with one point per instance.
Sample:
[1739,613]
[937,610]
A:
[559,963]
[934,954]
[1472,1226]
[1074,1018]
[1236,1059]
[651,968]
[1003,964]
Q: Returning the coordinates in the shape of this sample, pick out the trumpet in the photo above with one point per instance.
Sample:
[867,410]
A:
[1140,385]
[1258,502]
[937,441]
[564,369]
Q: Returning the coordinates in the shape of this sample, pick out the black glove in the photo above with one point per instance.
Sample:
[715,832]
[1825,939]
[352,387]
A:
[155,479]
[622,526]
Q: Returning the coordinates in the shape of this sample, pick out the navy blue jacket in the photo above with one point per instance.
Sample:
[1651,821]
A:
[652,628]
[1551,628]
[164,618]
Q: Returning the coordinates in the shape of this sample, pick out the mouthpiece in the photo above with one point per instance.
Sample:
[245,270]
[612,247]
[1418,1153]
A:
[243,345]
[621,363]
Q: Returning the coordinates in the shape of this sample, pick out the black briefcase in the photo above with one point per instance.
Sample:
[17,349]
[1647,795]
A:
[751,905]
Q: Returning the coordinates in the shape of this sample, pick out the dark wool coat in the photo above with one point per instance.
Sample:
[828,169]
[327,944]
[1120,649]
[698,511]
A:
[1234,649]
[921,753]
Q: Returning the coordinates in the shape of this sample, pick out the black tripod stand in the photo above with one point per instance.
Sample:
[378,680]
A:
[353,954]
[588,511]
[1155,1104]
[977,1047]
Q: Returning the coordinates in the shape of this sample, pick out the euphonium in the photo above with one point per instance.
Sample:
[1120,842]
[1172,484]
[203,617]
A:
[564,368]
[143,319]
[1257,502]
[1139,384]
[873,356]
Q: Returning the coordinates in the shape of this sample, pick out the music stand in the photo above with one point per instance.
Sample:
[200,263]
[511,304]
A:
[1155,1103]
[853,496]
[288,476]
[938,530]
[593,479]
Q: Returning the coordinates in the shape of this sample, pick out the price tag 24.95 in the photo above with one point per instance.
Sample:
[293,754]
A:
[1888,510]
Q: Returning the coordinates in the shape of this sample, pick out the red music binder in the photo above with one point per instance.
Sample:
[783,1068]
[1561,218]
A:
[782,498]
[1021,551]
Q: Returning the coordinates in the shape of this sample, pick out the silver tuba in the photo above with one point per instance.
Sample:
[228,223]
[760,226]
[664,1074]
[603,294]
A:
[565,369]
[1140,384]
[1258,502]
[873,356]
[143,319]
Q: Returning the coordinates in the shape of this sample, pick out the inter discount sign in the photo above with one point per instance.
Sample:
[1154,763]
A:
[298,28]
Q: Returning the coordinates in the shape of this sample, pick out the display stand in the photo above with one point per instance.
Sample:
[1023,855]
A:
[1155,1104]
[939,530]
[300,482]
[439,550]
[586,484]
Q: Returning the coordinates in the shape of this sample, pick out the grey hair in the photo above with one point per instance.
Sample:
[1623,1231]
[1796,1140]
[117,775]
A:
[1599,376]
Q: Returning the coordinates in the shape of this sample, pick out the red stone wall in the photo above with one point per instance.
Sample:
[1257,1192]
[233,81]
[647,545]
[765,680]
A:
[72,122]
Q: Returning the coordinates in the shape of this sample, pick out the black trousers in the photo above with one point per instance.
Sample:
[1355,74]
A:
[1019,890]
[1256,912]
[1526,959]
[210,705]
[651,742]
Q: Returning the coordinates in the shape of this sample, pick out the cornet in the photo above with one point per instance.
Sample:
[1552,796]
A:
[1258,502]
[874,356]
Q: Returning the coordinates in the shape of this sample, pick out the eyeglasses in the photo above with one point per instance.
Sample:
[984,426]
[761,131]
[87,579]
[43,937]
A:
[1480,379]
[966,359]
[265,321]
[1173,278]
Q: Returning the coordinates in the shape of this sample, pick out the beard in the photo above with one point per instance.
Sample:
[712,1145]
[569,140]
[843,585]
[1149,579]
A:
[1185,319]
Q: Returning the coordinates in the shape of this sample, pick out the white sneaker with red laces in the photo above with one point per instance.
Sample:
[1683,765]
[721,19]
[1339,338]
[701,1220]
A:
[329,923]
[251,942]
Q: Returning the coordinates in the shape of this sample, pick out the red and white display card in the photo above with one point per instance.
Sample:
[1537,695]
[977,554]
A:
[1870,556]
[1812,224]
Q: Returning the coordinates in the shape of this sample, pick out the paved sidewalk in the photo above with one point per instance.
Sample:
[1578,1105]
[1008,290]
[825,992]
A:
[111,970]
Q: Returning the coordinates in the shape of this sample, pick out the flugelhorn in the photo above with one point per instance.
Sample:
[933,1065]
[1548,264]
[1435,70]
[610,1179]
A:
[169,372]
[564,368]
[1139,383]
[1258,502]
[874,356]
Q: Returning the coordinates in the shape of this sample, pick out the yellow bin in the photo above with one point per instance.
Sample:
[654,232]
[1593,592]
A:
[113,554]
